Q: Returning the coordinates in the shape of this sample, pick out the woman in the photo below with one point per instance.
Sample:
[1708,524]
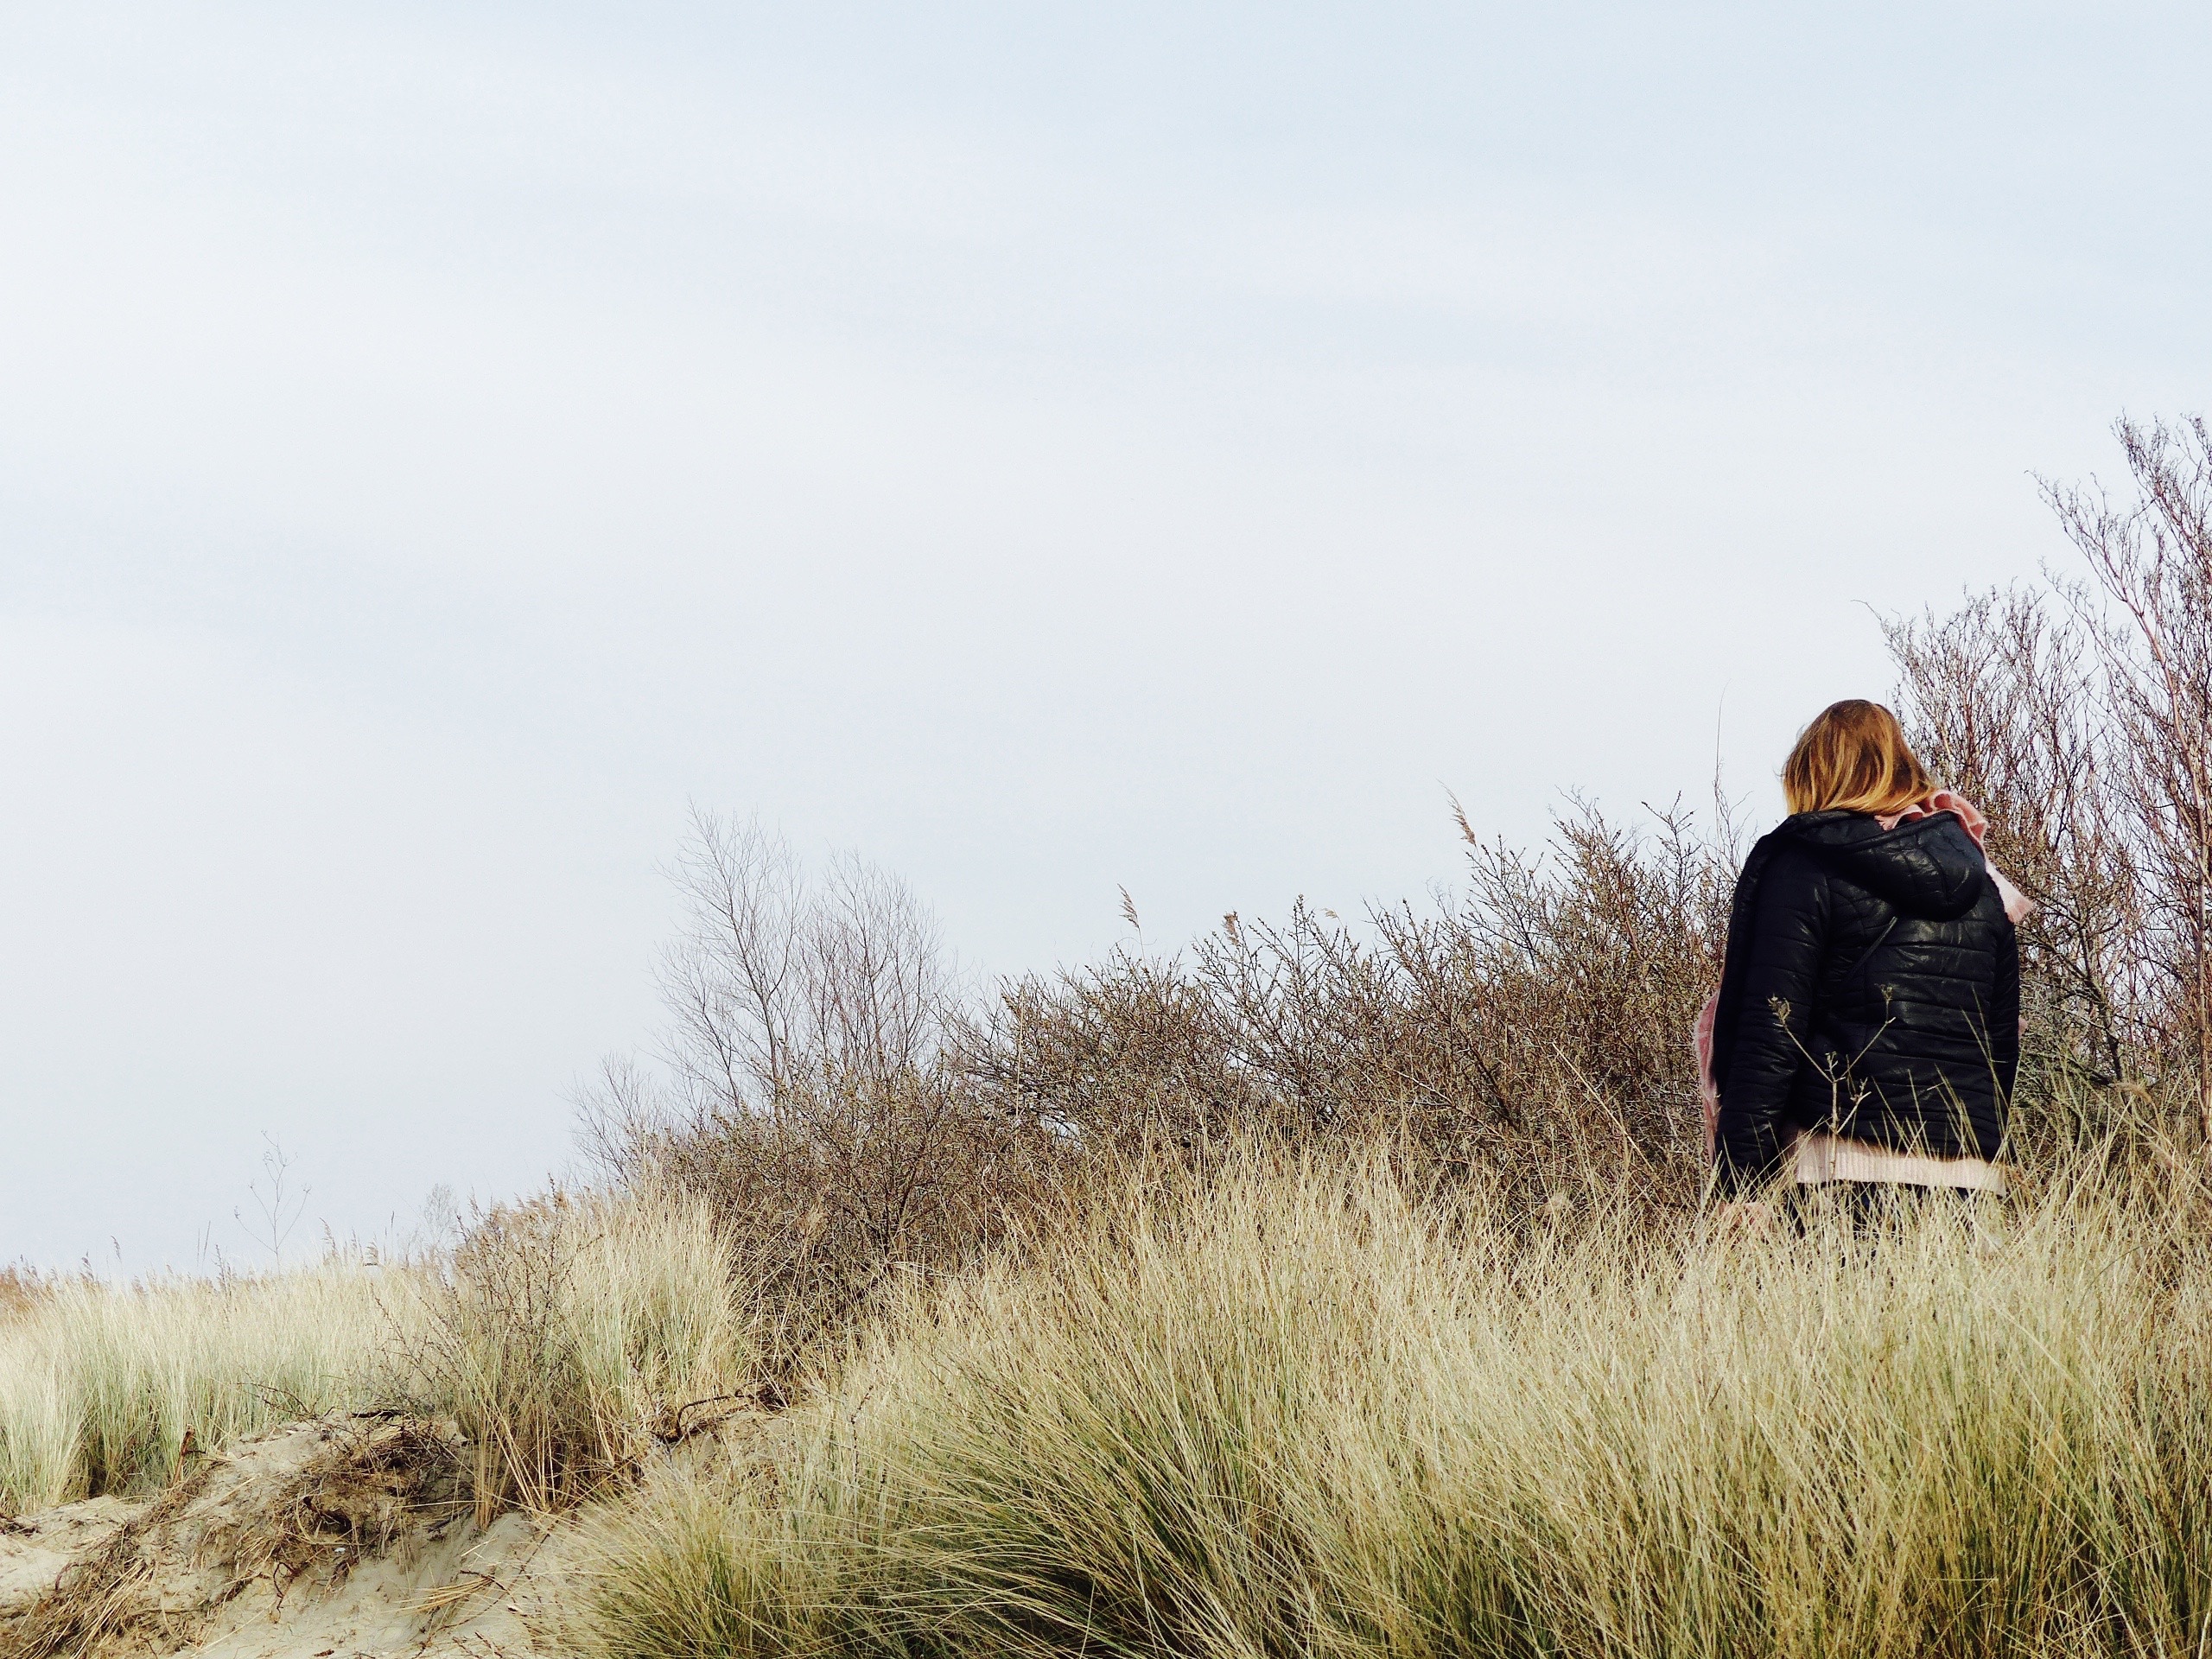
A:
[1866,1029]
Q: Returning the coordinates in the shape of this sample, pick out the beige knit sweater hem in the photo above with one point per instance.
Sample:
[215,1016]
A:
[1823,1158]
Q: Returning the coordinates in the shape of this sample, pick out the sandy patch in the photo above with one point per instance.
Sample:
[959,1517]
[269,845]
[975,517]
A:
[344,1538]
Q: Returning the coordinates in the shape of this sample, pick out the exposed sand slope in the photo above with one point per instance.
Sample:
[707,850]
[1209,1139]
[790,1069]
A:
[339,1539]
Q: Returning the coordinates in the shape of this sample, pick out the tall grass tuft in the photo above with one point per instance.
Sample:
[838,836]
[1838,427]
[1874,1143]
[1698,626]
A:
[1307,1415]
[558,1338]
[564,1334]
[100,1384]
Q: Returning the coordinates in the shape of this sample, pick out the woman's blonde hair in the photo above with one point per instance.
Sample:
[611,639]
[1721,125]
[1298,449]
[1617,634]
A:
[1853,758]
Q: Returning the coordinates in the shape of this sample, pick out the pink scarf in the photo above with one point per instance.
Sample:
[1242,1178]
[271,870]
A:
[2017,908]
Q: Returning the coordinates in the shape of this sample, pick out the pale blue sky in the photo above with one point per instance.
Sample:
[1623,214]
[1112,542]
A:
[1046,449]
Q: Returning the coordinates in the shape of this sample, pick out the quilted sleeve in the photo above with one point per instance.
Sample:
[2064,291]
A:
[1773,1034]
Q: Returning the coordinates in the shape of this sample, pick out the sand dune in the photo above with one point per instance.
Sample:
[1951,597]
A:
[342,1538]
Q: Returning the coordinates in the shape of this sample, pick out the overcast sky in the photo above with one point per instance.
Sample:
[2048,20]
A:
[1046,449]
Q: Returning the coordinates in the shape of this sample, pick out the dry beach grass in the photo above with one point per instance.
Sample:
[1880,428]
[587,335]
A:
[1310,1413]
[1299,1403]
[553,1339]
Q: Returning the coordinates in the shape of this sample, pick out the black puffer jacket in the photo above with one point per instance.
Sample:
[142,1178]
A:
[1872,988]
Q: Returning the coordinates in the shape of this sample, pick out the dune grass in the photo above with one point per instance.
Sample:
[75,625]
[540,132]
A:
[1304,1415]
[99,1383]
[1298,1409]
[553,1339]
[563,1335]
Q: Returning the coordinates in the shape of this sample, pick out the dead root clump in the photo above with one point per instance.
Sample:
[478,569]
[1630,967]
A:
[110,1592]
[305,1504]
[375,1481]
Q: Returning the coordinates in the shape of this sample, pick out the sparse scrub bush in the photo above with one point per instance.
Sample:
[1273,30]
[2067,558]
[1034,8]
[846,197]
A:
[806,1094]
[844,1115]
[1533,1032]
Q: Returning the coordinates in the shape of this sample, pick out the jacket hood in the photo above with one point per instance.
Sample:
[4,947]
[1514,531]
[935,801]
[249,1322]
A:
[1929,867]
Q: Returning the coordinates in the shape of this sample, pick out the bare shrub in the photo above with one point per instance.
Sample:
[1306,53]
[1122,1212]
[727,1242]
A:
[806,1090]
[2151,558]
[2081,715]
[1535,1029]
[844,1117]
[2001,698]
[1132,1053]
[778,979]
